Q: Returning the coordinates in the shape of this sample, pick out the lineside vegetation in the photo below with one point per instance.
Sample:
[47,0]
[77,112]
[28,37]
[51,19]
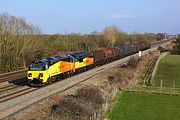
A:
[21,42]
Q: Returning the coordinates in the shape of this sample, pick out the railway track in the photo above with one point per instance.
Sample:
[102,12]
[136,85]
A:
[15,81]
[11,86]
[13,76]
[148,74]
[16,94]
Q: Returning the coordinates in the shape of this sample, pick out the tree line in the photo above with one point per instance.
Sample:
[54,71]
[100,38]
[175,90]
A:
[21,42]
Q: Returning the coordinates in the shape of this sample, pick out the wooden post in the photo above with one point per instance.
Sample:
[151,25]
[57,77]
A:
[173,87]
[161,87]
[174,83]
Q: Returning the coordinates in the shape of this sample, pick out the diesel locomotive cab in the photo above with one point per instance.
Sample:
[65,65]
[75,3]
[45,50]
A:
[38,72]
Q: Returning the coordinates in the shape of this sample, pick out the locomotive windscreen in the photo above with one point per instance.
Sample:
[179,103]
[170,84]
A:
[38,66]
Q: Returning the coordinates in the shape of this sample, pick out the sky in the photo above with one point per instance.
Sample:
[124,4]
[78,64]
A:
[86,16]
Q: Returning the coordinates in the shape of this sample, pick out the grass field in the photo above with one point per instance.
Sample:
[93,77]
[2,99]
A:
[168,70]
[136,106]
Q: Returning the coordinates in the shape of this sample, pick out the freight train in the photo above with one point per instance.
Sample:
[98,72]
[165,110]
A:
[161,36]
[44,71]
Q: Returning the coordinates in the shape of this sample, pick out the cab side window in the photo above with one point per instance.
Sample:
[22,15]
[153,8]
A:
[71,60]
[46,67]
[81,60]
[66,59]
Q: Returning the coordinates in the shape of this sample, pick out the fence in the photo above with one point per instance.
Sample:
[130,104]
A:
[156,90]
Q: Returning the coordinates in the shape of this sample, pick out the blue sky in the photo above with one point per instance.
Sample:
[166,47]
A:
[85,16]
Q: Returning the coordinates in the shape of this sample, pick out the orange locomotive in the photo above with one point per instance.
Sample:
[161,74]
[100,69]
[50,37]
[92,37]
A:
[50,69]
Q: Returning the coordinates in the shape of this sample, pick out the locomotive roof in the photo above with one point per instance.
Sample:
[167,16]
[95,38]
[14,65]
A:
[53,60]
[50,59]
[81,55]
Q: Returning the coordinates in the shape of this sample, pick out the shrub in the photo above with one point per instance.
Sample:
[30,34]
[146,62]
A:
[80,106]
[91,95]
[133,62]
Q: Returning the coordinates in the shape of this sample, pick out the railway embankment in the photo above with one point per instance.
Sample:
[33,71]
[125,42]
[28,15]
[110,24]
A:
[150,102]
[91,99]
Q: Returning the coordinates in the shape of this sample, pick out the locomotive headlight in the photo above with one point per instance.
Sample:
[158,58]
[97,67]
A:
[40,74]
[30,75]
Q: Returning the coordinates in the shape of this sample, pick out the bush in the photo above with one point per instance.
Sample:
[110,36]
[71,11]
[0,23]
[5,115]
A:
[92,95]
[80,106]
[176,48]
[133,62]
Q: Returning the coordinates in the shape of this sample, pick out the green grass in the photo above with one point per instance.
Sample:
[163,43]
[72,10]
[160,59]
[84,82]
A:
[168,70]
[136,106]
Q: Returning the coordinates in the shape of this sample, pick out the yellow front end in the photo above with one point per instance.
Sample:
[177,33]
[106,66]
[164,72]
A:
[38,76]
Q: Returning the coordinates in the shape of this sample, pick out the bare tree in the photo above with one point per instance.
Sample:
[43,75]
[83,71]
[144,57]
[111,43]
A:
[16,41]
[110,35]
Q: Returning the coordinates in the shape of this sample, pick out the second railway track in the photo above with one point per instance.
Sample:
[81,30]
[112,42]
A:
[16,94]
[11,86]
[13,76]
[148,74]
